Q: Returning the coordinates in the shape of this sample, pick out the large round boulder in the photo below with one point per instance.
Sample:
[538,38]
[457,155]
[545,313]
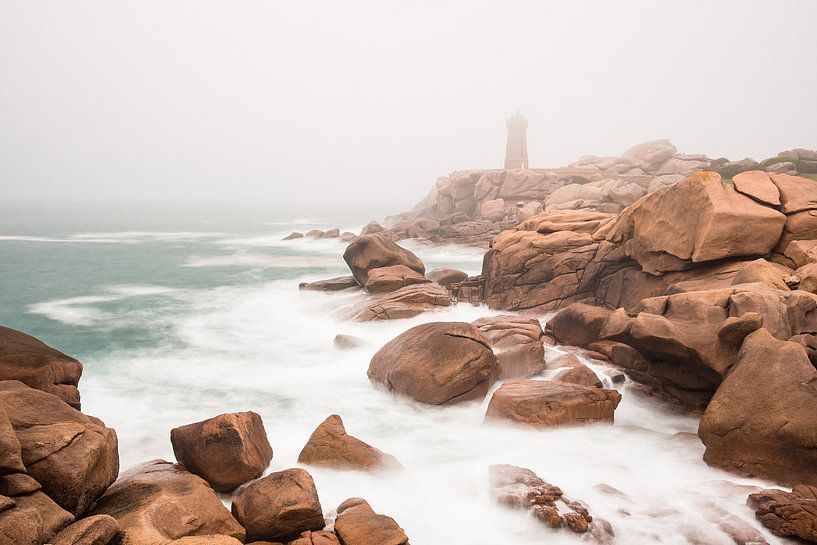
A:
[227,450]
[436,363]
[158,502]
[760,422]
[330,446]
[34,363]
[369,252]
[279,506]
[547,404]
[73,456]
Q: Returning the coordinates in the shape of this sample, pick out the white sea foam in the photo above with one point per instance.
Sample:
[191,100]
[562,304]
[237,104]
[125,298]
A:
[269,349]
[135,236]
[264,261]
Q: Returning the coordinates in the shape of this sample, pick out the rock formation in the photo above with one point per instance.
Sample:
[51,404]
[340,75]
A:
[330,446]
[358,524]
[436,363]
[788,514]
[226,451]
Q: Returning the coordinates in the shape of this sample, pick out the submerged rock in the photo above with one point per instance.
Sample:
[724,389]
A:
[330,446]
[32,362]
[159,501]
[546,404]
[73,456]
[436,363]
[445,276]
[348,342]
[405,302]
[788,514]
[331,284]
[279,506]
[227,450]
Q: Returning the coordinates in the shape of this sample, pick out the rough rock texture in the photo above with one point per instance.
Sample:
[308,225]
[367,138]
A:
[761,420]
[11,460]
[34,517]
[388,279]
[331,284]
[206,540]
[226,451]
[73,456]
[516,342]
[369,252]
[520,488]
[403,303]
[445,276]
[330,446]
[788,514]
[545,404]
[316,538]
[436,363]
[36,364]
[95,530]
[158,502]
[279,506]
[358,524]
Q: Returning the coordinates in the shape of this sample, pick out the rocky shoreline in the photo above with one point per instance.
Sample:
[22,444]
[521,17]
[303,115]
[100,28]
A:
[692,278]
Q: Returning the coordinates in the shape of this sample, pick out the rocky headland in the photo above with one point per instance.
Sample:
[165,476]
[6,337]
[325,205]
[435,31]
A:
[693,280]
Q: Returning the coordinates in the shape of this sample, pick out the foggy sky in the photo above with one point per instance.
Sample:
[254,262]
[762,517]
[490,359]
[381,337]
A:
[343,104]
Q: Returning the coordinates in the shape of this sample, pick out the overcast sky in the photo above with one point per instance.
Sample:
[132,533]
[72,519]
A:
[337,103]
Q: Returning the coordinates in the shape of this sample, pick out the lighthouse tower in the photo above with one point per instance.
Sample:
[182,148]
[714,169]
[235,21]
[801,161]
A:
[516,152]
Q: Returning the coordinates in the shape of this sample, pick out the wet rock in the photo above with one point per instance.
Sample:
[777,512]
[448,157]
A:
[545,404]
[330,446]
[445,276]
[578,374]
[294,235]
[94,530]
[369,252]
[348,342]
[73,456]
[358,524]
[788,514]
[331,284]
[436,363]
[226,451]
[520,488]
[39,366]
[279,506]
[516,343]
[388,279]
[760,422]
[406,302]
[28,516]
[159,501]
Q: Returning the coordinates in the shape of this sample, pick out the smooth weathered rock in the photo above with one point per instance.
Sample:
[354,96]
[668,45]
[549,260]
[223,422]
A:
[330,446]
[436,363]
[760,421]
[788,514]
[93,530]
[11,460]
[445,276]
[698,220]
[331,284]
[226,451]
[316,538]
[578,374]
[158,502]
[545,404]
[293,235]
[369,252]
[358,524]
[332,233]
[314,233]
[578,324]
[760,270]
[348,342]
[516,343]
[388,279]
[758,185]
[73,456]
[279,506]
[405,302]
[32,362]
[30,517]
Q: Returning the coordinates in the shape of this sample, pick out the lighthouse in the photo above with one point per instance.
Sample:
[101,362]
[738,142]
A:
[516,151]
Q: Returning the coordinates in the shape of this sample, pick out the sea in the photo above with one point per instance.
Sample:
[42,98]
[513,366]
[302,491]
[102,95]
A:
[182,313]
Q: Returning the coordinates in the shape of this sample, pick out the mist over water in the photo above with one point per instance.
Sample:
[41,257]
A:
[179,325]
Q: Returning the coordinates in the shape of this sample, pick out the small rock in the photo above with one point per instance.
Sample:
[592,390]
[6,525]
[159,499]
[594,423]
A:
[94,530]
[293,235]
[348,342]
[445,276]
[330,446]
[331,284]
[358,524]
